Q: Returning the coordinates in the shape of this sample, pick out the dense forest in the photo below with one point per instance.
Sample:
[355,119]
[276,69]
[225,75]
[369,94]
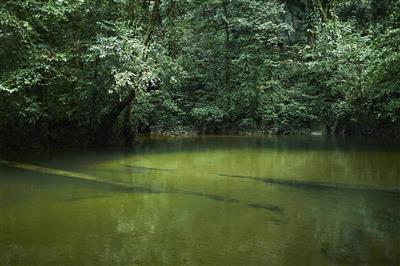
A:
[80,72]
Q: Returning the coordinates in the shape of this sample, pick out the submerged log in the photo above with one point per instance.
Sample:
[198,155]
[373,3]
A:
[129,187]
[143,168]
[116,184]
[315,185]
[75,175]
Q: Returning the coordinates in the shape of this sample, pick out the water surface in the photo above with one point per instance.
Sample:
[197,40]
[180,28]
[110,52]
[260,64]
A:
[206,200]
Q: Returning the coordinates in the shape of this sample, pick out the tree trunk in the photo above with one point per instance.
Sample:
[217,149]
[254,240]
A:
[44,120]
[227,61]
[93,96]
[154,22]
[335,126]
[127,127]
[328,129]
[172,13]
[104,131]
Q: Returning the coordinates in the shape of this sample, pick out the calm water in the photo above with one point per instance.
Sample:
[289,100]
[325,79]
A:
[206,200]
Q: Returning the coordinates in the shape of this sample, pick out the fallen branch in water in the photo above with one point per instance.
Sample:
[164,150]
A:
[314,185]
[80,176]
[143,168]
[120,185]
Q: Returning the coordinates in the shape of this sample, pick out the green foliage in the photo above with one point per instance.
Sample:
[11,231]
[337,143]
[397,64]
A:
[384,77]
[336,66]
[209,65]
[206,117]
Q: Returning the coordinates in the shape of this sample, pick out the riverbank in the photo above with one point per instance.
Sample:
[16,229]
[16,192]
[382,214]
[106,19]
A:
[115,141]
[73,144]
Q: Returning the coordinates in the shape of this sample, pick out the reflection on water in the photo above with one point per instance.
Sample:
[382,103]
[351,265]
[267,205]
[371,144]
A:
[195,210]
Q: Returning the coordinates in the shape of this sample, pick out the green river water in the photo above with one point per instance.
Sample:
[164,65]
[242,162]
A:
[205,201]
